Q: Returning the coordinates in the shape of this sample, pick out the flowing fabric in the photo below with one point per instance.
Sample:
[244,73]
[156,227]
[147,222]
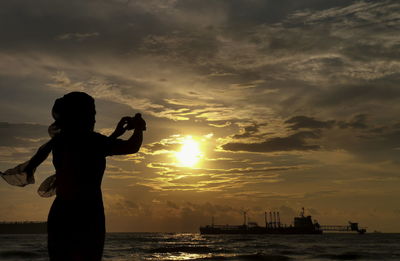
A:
[23,174]
[17,176]
[20,176]
[48,187]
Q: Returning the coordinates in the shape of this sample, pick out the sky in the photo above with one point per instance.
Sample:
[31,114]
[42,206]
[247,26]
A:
[277,105]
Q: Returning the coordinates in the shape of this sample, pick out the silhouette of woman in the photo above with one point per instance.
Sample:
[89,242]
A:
[76,223]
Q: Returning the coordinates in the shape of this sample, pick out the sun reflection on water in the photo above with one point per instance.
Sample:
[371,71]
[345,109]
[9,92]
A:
[179,256]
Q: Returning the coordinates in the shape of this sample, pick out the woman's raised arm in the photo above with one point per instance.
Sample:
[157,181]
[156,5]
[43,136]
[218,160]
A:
[133,144]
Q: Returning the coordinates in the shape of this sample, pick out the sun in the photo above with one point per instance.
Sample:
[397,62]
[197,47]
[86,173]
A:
[190,153]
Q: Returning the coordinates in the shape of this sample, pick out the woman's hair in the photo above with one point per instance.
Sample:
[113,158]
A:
[74,111]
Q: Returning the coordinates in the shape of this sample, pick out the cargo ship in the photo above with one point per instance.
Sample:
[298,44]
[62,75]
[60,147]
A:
[25,227]
[301,225]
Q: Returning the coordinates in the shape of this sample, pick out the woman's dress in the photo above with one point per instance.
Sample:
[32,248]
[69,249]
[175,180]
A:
[76,223]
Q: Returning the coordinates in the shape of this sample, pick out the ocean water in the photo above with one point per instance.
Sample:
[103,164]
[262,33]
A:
[193,246]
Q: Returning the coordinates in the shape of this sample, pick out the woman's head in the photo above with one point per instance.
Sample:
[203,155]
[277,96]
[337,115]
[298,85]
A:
[75,112]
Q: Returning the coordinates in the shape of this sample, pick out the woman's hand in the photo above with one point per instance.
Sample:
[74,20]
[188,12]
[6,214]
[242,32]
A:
[133,144]
[121,127]
[140,124]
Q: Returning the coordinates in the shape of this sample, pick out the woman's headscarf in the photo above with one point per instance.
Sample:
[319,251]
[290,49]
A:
[73,111]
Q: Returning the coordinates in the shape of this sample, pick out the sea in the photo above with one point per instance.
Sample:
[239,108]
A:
[194,246]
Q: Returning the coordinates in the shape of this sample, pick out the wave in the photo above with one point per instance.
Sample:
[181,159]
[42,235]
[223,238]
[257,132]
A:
[278,246]
[343,256]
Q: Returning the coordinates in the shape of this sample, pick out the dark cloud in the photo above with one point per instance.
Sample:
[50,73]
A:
[301,122]
[208,208]
[242,13]
[171,204]
[196,47]
[286,211]
[361,93]
[159,146]
[377,147]
[294,142]
[357,122]
[22,134]
[248,131]
[118,27]
[319,194]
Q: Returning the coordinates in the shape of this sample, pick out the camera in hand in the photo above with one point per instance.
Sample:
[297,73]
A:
[133,122]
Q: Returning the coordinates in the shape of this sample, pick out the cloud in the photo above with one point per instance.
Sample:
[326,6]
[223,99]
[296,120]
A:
[172,178]
[22,134]
[249,131]
[358,122]
[270,60]
[158,147]
[172,205]
[294,142]
[76,36]
[117,204]
[300,122]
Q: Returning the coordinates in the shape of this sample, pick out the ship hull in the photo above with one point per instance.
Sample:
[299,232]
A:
[258,231]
